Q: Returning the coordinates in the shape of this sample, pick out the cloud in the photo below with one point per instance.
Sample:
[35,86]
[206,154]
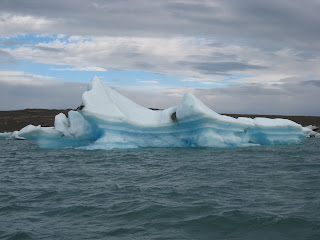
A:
[200,40]
[220,67]
[6,57]
[84,68]
[49,49]
[10,43]
[192,58]
[285,22]
[20,90]
[24,78]
[53,95]
[151,81]
[13,24]
[207,83]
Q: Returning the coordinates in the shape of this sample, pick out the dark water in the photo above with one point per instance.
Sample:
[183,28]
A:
[240,193]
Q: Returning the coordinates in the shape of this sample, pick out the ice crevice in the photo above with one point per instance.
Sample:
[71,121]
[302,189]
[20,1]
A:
[108,120]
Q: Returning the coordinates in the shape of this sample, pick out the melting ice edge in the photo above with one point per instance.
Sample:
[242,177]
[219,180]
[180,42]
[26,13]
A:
[108,120]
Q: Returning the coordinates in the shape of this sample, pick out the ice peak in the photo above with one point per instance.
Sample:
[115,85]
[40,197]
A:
[96,82]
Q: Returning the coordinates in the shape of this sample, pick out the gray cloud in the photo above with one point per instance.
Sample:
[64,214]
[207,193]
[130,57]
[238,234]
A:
[259,30]
[49,49]
[289,98]
[11,43]
[191,8]
[59,95]
[289,22]
[144,65]
[4,54]
[220,67]
[293,18]
[6,57]
[315,83]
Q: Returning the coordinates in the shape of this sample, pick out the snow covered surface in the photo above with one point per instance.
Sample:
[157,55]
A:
[109,120]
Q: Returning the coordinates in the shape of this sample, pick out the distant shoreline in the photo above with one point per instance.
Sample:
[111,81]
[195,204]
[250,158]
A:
[17,119]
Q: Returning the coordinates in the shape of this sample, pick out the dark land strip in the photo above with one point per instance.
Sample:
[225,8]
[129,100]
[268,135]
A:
[15,120]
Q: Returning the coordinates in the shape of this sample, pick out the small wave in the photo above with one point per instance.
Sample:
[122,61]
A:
[18,236]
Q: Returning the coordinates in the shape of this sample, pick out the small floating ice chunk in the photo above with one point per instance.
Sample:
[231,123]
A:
[6,135]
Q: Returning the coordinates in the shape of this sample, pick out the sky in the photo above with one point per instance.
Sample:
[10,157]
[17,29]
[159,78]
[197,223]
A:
[237,56]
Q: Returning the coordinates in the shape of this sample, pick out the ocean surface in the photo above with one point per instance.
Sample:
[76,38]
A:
[270,192]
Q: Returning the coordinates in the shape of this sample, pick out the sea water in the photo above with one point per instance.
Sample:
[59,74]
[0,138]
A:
[270,192]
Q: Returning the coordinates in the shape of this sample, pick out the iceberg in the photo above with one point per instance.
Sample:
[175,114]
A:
[108,120]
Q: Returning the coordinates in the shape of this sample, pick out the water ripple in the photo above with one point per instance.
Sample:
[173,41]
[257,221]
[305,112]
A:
[240,193]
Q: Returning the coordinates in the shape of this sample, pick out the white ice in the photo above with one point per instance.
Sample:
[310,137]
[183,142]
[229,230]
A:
[108,120]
